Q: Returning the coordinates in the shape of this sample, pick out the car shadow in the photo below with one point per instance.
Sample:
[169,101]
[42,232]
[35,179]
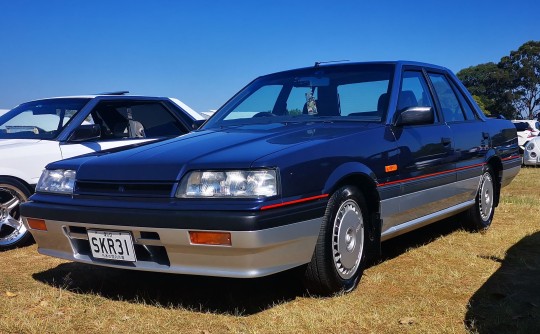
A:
[240,297]
[396,246]
[509,301]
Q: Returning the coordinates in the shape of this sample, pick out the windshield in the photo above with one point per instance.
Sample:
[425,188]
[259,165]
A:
[42,119]
[336,93]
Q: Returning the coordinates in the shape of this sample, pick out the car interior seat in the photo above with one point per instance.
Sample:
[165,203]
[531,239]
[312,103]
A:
[407,99]
[382,104]
[136,129]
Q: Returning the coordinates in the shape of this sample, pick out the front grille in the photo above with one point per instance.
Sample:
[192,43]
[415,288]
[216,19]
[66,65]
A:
[126,189]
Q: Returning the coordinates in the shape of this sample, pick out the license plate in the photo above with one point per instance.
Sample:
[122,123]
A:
[112,245]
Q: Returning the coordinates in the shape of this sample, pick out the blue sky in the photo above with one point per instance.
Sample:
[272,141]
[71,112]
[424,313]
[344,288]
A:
[203,51]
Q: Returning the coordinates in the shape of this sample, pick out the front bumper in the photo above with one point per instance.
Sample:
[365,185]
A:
[161,245]
[531,158]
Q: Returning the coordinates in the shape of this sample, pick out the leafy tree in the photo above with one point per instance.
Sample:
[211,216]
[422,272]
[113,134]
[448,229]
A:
[523,66]
[479,100]
[491,86]
[510,88]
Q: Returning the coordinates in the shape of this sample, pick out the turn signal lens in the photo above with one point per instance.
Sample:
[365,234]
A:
[390,168]
[210,238]
[36,224]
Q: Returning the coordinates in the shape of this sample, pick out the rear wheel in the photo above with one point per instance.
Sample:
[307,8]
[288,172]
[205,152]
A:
[340,254]
[480,215]
[13,233]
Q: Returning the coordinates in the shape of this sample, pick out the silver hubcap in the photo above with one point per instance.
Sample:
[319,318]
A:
[11,227]
[486,196]
[348,239]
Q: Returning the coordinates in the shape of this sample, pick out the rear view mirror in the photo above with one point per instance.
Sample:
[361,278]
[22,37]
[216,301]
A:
[311,82]
[85,133]
[415,116]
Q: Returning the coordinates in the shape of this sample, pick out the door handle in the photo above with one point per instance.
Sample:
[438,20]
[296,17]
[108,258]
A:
[446,141]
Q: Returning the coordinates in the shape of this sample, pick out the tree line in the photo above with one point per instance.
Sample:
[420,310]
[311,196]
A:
[511,87]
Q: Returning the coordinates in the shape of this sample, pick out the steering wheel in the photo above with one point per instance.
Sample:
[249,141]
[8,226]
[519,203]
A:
[264,114]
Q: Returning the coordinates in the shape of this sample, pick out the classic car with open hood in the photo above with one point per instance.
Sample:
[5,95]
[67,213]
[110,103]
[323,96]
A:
[309,168]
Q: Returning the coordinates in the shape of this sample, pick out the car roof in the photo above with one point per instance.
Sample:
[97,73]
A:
[344,64]
[195,115]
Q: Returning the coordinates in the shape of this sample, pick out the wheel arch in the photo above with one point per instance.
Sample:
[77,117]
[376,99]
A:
[362,177]
[495,163]
[358,175]
[29,187]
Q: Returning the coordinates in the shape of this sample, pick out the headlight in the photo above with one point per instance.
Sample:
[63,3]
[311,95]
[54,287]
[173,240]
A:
[232,183]
[56,181]
[530,146]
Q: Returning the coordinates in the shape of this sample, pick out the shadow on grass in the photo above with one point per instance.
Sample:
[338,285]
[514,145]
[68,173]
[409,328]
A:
[240,297]
[396,246]
[509,301]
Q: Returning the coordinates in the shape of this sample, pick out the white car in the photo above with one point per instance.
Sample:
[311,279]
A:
[531,154]
[526,130]
[36,133]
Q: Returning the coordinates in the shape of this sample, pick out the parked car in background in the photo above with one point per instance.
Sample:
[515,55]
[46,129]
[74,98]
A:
[208,114]
[36,133]
[309,168]
[531,154]
[526,130]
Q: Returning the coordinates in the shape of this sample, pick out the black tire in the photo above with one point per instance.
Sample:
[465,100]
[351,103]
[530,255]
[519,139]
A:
[479,217]
[13,233]
[339,258]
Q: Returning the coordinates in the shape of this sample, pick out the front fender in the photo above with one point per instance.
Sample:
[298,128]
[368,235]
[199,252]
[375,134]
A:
[347,170]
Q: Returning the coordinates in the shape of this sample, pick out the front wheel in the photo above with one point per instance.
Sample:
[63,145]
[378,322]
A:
[340,254]
[13,233]
[480,215]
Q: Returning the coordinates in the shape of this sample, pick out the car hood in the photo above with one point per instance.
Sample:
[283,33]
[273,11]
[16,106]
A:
[16,143]
[234,147]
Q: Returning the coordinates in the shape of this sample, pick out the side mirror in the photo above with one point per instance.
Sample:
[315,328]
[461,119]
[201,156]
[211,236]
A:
[415,116]
[86,132]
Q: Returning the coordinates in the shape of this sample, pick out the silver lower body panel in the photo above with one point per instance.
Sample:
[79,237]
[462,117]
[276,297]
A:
[404,213]
[252,253]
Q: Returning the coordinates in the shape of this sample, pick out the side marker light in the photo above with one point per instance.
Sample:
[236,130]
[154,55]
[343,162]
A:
[390,168]
[36,224]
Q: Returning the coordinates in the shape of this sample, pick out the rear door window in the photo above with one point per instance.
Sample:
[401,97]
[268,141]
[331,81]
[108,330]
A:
[450,106]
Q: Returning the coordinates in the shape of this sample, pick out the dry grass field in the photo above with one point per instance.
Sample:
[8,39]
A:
[439,279]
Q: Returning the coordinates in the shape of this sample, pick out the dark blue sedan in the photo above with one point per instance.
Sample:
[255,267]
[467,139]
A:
[310,168]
